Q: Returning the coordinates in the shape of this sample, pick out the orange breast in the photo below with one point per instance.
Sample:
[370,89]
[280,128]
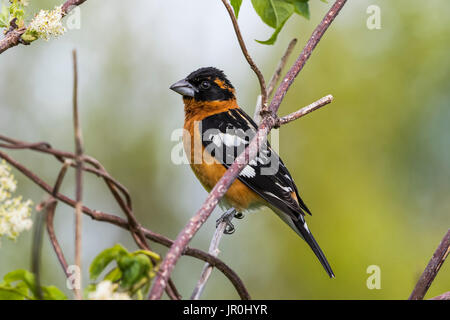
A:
[209,171]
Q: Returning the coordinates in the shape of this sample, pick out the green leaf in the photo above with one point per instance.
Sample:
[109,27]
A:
[283,11]
[273,38]
[301,7]
[53,293]
[21,275]
[266,11]
[274,13]
[236,4]
[30,36]
[133,269]
[114,275]
[150,254]
[11,293]
[4,16]
[24,285]
[102,260]
[17,11]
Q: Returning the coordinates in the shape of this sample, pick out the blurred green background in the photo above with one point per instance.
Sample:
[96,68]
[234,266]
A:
[374,166]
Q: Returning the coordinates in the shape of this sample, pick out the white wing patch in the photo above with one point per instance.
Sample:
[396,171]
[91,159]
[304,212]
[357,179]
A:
[287,189]
[271,194]
[306,227]
[227,139]
[248,172]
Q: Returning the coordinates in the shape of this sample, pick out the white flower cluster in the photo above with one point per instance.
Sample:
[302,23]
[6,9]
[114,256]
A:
[48,23]
[106,290]
[14,214]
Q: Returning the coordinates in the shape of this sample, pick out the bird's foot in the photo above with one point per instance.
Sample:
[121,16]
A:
[227,217]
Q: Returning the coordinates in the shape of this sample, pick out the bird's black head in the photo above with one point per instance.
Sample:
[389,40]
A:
[205,84]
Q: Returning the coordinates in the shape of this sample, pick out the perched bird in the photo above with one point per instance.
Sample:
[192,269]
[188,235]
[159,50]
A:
[216,132]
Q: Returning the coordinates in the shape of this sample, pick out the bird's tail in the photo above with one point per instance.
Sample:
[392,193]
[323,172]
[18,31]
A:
[303,231]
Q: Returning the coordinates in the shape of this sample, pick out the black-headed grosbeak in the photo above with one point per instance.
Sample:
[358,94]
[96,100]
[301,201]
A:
[216,132]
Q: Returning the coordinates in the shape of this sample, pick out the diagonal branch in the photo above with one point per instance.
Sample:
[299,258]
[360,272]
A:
[117,221]
[50,206]
[213,250]
[274,80]
[123,198]
[430,272]
[219,190]
[47,217]
[304,56]
[444,296]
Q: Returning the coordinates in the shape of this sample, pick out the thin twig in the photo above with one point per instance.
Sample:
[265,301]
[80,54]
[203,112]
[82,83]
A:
[52,235]
[126,207]
[262,82]
[70,4]
[36,252]
[305,110]
[207,268]
[78,175]
[221,187]
[119,222]
[274,80]
[304,56]
[283,61]
[444,296]
[50,206]
[430,272]
[46,217]
[113,185]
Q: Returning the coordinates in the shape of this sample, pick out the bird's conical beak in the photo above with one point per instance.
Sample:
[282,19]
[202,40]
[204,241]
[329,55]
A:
[184,88]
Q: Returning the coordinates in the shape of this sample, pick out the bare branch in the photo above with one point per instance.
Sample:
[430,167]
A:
[50,207]
[117,221]
[36,250]
[304,56]
[277,74]
[274,80]
[52,235]
[78,175]
[207,268]
[219,190]
[13,36]
[444,296]
[305,110]
[70,4]
[262,82]
[47,217]
[430,272]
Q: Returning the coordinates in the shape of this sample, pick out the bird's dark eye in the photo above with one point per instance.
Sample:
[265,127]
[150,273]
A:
[205,85]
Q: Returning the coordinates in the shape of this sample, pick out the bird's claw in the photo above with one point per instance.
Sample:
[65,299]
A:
[239,215]
[227,217]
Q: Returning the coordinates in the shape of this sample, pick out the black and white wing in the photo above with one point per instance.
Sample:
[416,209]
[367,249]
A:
[225,135]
